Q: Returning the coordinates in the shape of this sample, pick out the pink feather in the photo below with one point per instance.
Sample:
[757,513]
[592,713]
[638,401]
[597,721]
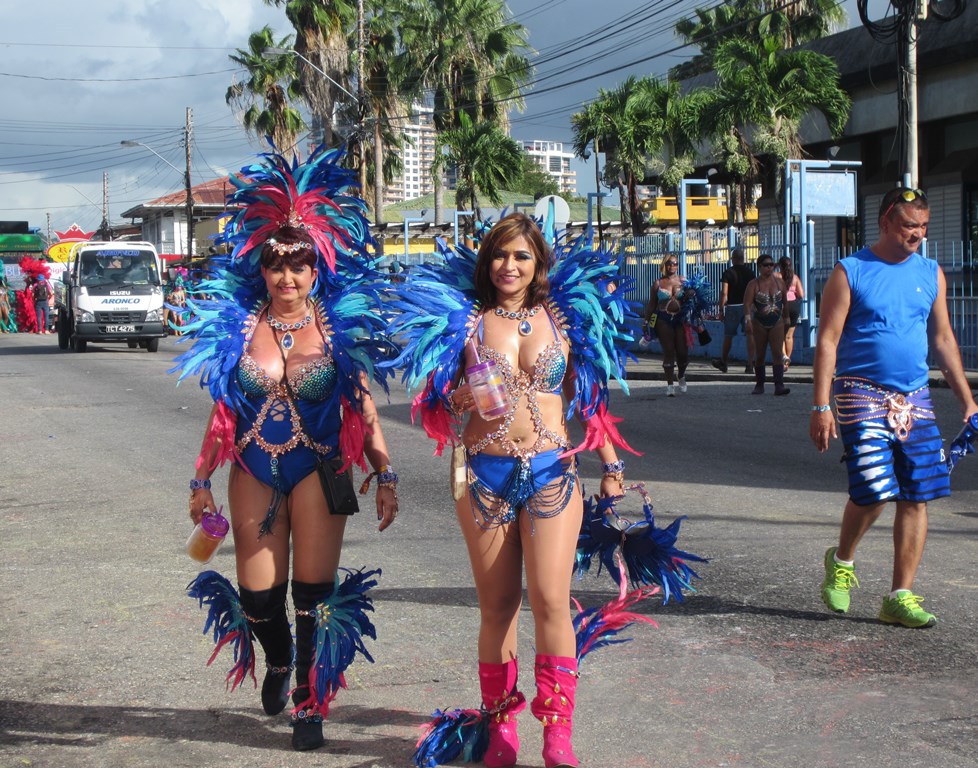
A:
[434,418]
[601,428]
[221,433]
[615,616]
[353,435]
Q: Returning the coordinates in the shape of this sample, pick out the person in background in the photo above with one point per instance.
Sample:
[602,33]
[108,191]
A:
[733,285]
[6,324]
[664,315]
[795,294]
[879,381]
[765,317]
[41,294]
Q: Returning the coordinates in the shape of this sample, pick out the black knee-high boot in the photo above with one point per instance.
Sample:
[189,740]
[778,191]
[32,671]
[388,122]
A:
[269,623]
[307,729]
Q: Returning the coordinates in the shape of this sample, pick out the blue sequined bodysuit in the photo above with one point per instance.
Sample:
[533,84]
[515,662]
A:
[269,436]
[532,477]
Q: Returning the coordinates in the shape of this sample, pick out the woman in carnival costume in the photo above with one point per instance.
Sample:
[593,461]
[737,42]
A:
[554,330]
[7,322]
[287,343]
[26,316]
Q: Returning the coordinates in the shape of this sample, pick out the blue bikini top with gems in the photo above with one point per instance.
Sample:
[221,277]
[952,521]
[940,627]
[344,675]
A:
[548,370]
[314,381]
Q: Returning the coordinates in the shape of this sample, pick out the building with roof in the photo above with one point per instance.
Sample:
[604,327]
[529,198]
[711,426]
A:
[164,220]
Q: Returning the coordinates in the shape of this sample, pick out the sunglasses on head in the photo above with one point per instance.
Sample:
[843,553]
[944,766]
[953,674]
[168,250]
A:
[905,196]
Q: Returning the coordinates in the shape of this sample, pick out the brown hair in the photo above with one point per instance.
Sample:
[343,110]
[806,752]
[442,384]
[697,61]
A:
[273,255]
[787,273]
[506,229]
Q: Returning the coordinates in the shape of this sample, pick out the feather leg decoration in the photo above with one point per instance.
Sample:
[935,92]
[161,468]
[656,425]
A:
[648,554]
[452,734]
[600,626]
[227,623]
[341,625]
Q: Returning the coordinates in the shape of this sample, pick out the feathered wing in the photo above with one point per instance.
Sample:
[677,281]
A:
[226,622]
[433,313]
[697,298]
[587,297]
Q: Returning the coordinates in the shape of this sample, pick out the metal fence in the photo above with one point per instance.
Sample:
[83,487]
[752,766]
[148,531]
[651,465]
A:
[708,252]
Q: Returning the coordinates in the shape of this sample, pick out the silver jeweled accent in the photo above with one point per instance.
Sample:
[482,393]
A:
[288,341]
[524,328]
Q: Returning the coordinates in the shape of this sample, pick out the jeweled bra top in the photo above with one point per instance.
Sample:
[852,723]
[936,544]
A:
[312,381]
[548,374]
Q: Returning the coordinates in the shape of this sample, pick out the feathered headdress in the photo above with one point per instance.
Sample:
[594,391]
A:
[34,268]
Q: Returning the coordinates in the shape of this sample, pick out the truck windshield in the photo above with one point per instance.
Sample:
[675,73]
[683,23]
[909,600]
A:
[118,267]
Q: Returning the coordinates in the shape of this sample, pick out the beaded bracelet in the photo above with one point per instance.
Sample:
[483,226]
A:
[613,466]
[821,408]
[196,485]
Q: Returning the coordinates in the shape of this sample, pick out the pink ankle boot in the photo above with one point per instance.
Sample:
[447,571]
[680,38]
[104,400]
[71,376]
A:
[503,702]
[554,707]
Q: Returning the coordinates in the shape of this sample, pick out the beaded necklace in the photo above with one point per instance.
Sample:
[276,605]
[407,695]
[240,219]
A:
[523,315]
[288,340]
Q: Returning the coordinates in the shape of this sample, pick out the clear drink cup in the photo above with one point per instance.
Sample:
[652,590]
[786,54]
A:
[488,389]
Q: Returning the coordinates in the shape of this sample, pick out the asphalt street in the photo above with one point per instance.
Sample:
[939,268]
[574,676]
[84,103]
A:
[104,662]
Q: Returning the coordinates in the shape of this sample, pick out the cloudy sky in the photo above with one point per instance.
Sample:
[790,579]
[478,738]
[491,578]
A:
[77,79]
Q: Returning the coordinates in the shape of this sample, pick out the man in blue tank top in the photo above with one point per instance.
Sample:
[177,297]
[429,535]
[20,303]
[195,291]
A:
[882,309]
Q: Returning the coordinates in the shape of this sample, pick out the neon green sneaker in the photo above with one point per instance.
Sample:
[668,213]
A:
[839,579]
[905,609]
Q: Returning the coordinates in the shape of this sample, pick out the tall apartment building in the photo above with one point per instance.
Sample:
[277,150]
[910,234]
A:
[418,154]
[551,158]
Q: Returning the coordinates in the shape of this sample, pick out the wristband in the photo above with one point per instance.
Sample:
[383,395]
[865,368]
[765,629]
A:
[196,485]
[821,408]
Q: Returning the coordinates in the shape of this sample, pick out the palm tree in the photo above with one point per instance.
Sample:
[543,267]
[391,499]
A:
[321,28]
[472,57]
[791,23]
[267,94]
[762,94]
[646,127]
[486,161]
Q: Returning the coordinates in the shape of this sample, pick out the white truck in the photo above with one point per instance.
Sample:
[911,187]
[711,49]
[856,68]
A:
[112,294]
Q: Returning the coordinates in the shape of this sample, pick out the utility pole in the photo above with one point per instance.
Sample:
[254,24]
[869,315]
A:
[902,27]
[597,188]
[907,91]
[104,232]
[188,136]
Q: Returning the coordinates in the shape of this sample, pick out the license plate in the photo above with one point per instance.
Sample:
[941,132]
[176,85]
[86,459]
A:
[120,329]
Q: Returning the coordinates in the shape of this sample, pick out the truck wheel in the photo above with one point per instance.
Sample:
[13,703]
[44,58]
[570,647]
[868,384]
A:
[81,345]
[153,345]
[64,332]
[132,344]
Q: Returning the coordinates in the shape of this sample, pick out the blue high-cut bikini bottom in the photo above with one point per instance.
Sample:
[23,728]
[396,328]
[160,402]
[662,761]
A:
[503,485]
